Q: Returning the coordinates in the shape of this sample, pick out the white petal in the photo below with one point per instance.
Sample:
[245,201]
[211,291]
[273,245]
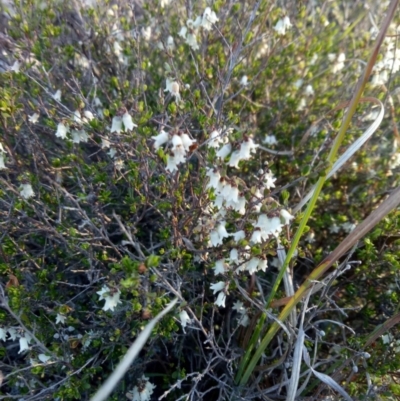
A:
[116,125]
[26,191]
[128,123]
[217,286]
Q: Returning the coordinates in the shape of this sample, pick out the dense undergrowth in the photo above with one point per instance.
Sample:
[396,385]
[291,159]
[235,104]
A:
[158,149]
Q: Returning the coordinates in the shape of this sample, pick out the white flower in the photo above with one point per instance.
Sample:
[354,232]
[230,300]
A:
[173,88]
[194,25]
[256,237]
[170,43]
[111,299]
[209,18]
[187,142]
[146,33]
[164,3]
[2,165]
[240,205]
[128,123]
[270,140]
[144,391]
[269,226]
[62,131]
[214,238]
[286,216]
[309,91]
[23,344]
[244,320]
[298,83]
[26,191]
[218,286]
[282,25]
[262,265]
[224,151]
[13,333]
[160,139]
[105,143]
[348,227]
[235,159]
[3,334]
[34,118]
[244,80]
[252,265]
[239,307]
[218,234]
[219,267]
[302,104]
[219,200]
[269,180]
[192,41]
[220,301]
[386,339]
[16,66]
[116,125]
[79,136]
[88,115]
[237,236]
[117,48]
[185,319]
[234,256]
[112,152]
[172,163]
[247,148]
[60,318]
[57,95]
[77,117]
[339,62]
[310,237]
[44,358]
[334,228]
[230,193]
[215,139]
[214,177]
[182,33]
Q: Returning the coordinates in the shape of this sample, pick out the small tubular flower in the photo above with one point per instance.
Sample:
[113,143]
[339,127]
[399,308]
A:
[286,216]
[160,139]
[247,148]
[128,123]
[173,88]
[209,18]
[172,163]
[62,131]
[238,235]
[143,391]
[256,237]
[214,178]
[252,265]
[219,267]
[26,191]
[235,159]
[185,319]
[218,286]
[282,25]
[116,125]
[220,301]
[224,151]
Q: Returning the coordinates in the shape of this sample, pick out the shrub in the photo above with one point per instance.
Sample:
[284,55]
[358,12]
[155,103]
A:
[158,149]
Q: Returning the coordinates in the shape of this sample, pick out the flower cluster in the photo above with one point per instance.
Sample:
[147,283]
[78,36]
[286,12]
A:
[179,145]
[74,126]
[189,32]
[110,296]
